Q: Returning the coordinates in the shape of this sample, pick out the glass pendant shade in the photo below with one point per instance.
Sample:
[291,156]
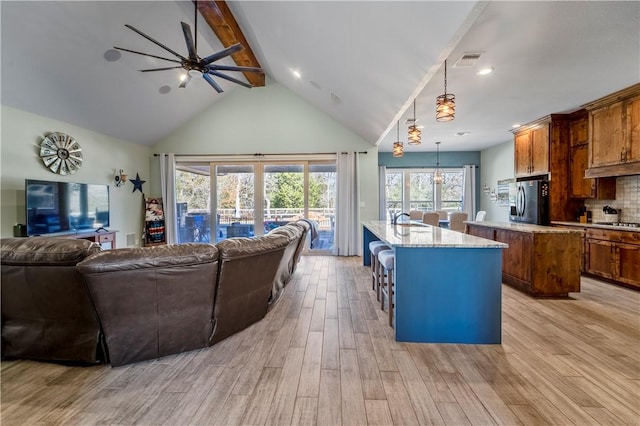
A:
[437,176]
[446,107]
[445,103]
[414,133]
[398,147]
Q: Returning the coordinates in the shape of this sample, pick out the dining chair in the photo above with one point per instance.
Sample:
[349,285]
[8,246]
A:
[431,218]
[456,221]
[480,216]
[444,215]
[415,215]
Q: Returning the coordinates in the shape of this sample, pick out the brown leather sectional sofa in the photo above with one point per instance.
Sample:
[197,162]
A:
[64,300]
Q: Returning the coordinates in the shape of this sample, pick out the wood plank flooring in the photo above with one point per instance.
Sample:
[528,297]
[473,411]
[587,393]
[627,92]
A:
[326,355]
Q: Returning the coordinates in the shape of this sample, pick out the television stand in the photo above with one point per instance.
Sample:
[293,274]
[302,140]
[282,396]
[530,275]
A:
[106,238]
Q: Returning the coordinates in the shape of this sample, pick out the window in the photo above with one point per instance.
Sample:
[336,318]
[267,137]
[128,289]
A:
[414,189]
[222,199]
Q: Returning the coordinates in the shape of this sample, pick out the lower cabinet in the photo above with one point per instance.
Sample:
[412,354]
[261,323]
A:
[539,262]
[614,255]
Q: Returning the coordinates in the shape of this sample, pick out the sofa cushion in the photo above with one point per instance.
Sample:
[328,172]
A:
[154,301]
[247,271]
[47,313]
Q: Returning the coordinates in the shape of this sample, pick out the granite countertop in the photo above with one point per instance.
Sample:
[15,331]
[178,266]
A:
[526,227]
[596,225]
[416,234]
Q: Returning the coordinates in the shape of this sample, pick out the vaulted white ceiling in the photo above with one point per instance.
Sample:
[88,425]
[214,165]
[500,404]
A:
[362,62]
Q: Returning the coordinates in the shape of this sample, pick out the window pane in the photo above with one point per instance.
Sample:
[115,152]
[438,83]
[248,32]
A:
[421,191]
[192,200]
[393,193]
[322,202]
[452,191]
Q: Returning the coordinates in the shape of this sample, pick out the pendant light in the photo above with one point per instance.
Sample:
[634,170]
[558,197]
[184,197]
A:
[437,176]
[398,147]
[445,103]
[414,132]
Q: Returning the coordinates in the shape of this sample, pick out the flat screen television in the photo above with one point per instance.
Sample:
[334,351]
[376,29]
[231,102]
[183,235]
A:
[55,207]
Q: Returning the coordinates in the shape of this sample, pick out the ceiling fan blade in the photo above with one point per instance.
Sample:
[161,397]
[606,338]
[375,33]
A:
[146,54]
[226,77]
[223,53]
[159,69]
[188,38]
[155,42]
[184,82]
[212,83]
[234,68]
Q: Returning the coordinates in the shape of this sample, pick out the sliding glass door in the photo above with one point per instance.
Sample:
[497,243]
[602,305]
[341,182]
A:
[220,200]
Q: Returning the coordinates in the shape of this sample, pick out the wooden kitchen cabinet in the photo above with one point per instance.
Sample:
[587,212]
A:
[581,187]
[579,129]
[614,134]
[542,150]
[539,261]
[532,150]
[614,255]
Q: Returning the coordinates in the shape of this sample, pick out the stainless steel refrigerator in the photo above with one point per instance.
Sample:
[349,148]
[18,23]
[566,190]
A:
[530,202]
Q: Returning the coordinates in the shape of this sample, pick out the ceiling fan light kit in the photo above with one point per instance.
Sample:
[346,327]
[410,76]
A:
[194,65]
[445,103]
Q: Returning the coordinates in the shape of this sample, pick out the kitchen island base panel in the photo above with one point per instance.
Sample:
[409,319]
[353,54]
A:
[448,295]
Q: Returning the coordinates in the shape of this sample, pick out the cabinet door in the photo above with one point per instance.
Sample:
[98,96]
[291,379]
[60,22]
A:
[540,149]
[516,259]
[578,132]
[607,143]
[600,258]
[633,129]
[522,153]
[580,186]
[627,257]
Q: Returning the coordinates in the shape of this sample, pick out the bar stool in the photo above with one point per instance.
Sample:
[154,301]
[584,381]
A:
[376,247]
[387,259]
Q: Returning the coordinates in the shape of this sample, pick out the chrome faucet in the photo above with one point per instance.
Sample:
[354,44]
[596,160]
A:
[397,216]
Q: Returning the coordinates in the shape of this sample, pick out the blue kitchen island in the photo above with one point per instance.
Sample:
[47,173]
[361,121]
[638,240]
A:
[447,283]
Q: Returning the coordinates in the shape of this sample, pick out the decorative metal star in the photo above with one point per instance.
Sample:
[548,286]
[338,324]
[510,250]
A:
[137,183]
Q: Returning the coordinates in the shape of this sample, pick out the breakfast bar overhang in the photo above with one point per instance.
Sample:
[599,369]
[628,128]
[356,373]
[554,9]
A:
[447,283]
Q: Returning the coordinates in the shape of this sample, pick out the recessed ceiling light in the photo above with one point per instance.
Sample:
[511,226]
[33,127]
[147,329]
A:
[164,90]
[462,133]
[296,73]
[485,71]
[515,126]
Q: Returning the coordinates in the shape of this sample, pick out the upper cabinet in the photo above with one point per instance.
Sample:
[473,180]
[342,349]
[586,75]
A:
[581,187]
[614,134]
[542,148]
[532,149]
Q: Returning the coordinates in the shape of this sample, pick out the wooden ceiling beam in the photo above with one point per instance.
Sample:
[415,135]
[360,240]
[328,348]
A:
[219,17]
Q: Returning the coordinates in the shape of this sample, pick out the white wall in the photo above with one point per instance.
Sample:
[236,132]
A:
[272,120]
[22,133]
[497,164]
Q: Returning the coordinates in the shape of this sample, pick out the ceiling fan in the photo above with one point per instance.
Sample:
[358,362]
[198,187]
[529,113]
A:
[194,65]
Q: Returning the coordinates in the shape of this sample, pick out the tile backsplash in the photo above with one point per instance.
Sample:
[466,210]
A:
[627,201]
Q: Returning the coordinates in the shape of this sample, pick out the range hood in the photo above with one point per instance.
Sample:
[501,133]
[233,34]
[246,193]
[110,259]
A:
[626,169]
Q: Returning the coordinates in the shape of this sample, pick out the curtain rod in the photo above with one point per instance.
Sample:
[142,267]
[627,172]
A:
[259,154]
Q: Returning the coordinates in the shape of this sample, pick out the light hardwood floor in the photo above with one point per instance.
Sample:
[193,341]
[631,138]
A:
[325,355]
